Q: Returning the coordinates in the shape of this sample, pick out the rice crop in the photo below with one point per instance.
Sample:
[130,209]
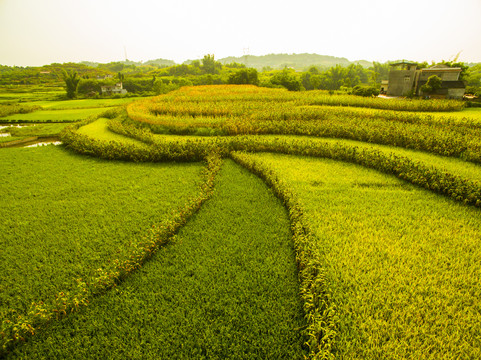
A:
[225,288]
[230,110]
[68,115]
[80,103]
[387,267]
[400,265]
[66,217]
[10,109]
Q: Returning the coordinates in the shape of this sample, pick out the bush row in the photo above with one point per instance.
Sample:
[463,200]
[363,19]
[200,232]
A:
[220,111]
[392,104]
[197,149]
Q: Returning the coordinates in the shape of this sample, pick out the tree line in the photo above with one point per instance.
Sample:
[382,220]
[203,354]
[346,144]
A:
[151,79]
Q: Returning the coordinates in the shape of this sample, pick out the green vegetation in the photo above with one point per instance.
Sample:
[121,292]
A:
[71,83]
[433,84]
[401,266]
[41,130]
[80,103]
[10,109]
[41,113]
[99,130]
[294,72]
[68,115]
[225,288]
[7,139]
[12,135]
[376,256]
[249,110]
[67,217]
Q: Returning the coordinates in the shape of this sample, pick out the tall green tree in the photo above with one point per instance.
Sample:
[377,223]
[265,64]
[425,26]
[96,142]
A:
[433,84]
[209,65]
[287,79]
[244,76]
[121,77]
[72,80]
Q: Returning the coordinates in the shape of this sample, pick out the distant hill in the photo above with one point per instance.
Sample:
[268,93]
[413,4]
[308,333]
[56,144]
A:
[160,62]
[295,61]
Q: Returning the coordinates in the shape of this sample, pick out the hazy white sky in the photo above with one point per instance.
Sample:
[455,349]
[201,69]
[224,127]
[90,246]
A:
[38,32]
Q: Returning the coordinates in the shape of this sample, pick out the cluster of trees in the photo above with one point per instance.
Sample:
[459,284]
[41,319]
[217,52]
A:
[473,80]
[352,78]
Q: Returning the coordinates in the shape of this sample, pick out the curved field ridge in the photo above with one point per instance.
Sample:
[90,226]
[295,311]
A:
[401,266]
[417,169]
[234,110]
[225,288]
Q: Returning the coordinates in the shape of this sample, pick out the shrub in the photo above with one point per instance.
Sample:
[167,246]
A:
[244,77]
[363,90]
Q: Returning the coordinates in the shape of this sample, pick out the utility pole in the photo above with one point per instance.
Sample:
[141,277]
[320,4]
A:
[246,54]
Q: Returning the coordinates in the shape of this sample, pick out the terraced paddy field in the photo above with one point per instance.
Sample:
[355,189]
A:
[64,217]
[47,118]
[375,257]
[80,103]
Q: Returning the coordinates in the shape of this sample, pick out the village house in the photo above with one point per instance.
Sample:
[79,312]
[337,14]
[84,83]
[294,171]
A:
[113,89]
[105,77]
[405,78]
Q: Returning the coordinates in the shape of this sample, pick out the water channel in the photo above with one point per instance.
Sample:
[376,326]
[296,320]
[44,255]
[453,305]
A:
[34,142]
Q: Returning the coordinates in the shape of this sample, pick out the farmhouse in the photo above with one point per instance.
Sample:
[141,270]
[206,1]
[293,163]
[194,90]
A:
[104,77]
[405,78]
[113,89]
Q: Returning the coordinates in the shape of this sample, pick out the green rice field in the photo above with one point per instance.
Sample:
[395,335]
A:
[64,115]
[74,215]
[226,288]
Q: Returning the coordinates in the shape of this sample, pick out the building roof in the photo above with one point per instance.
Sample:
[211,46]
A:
[403,62]
[437,68]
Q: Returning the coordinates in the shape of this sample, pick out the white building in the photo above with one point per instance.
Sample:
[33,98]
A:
[113,89]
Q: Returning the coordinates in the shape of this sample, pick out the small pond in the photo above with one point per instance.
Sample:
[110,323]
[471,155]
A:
[43,143]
